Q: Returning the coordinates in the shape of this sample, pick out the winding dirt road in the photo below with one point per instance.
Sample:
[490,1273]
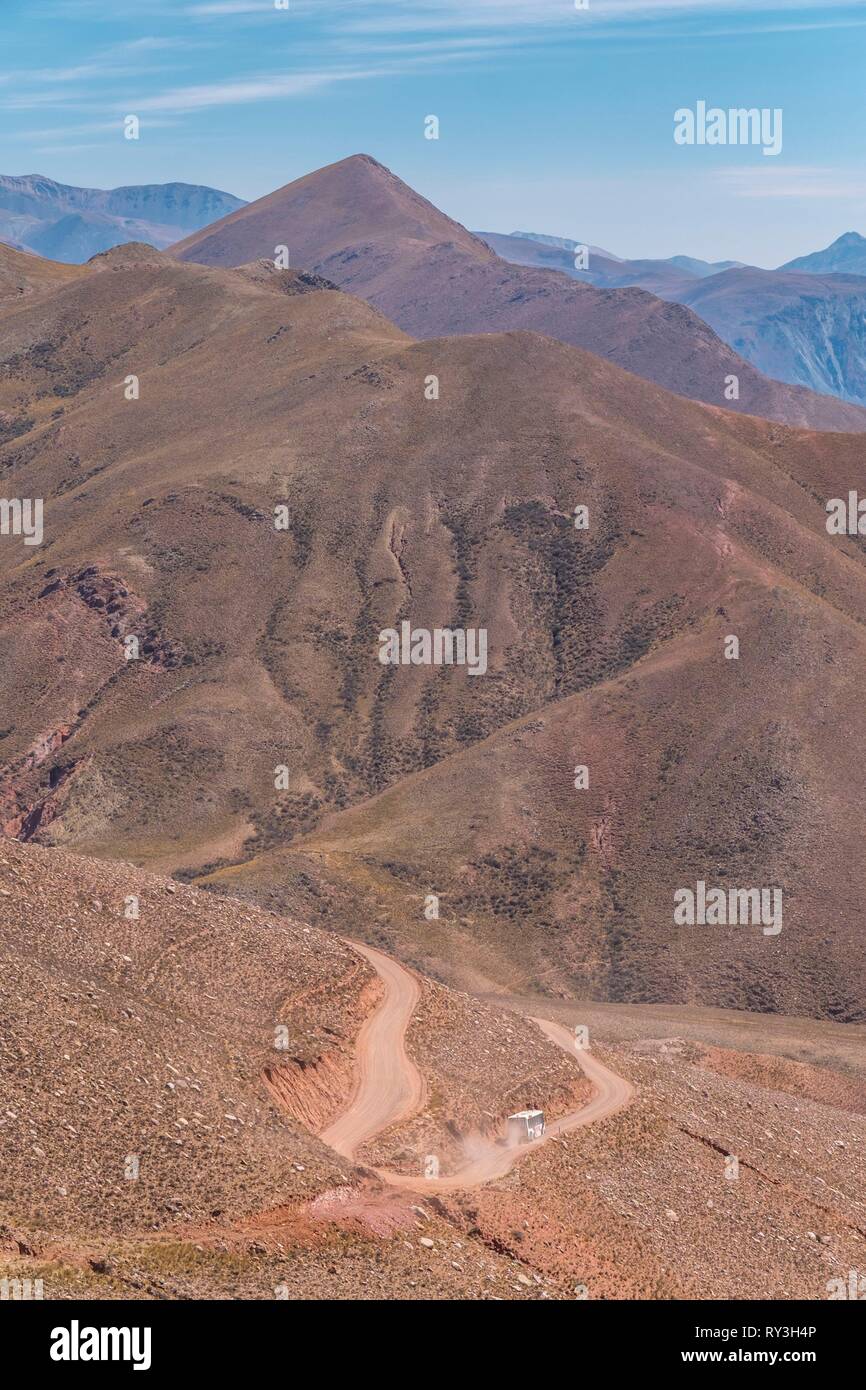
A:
[389,1088]
[388,1085]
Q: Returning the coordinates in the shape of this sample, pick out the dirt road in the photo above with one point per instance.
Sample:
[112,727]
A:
[389,1088]
[388,1085]
[612,1092]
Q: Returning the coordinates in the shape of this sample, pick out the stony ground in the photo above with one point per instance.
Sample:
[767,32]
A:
[143,1154]
[149,1038]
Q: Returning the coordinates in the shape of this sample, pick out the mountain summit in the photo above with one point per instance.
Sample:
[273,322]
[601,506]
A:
[352,202]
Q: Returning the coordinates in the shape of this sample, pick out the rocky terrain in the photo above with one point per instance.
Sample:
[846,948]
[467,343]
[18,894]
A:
[729,1175]
[138,1059]
[144,1155]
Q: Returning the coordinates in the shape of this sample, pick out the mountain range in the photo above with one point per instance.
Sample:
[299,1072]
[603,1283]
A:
[804,323]
[359,226]
[606,269]
[807,334]
[286,926]
[258,647]
[71,224]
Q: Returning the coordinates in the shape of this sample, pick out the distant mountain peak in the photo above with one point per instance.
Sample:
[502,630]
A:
[362,158]
[564,243]
[844,256]
[72,224]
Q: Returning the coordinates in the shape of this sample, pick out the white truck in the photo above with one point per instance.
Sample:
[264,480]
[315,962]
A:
[525,1126]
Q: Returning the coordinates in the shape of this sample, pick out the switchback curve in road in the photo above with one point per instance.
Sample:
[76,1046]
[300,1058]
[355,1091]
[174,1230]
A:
[389,1088]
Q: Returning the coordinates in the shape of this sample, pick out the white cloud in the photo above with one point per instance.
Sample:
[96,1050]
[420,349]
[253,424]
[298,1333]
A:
[67,149]
[400,16]
[113,128]
[230,7]
[795,181]
[234,92]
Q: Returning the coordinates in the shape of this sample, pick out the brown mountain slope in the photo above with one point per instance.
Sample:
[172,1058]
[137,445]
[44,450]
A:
[358,225]
[259,705]
[22,273]
[149,1036]
[349,203]
[165,1075]
[697,772]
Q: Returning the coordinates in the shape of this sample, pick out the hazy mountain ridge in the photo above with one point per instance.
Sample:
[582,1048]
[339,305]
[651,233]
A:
[807,329]
[804,323]
[845,256]
[71,224]
[692,265]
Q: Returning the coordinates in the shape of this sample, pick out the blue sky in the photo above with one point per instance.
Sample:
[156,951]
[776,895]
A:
[552,119]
